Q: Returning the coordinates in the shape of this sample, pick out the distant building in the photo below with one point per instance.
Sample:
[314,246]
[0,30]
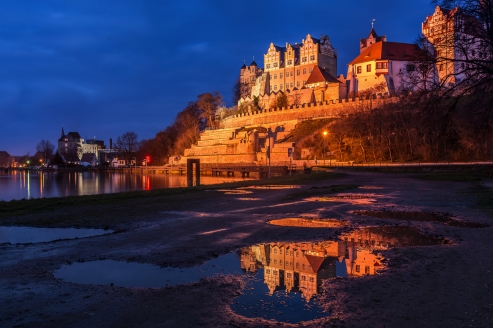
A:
[72,143]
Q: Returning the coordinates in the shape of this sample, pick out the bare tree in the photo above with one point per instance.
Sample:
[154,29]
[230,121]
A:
[127,142]
[208,104]
[46,148]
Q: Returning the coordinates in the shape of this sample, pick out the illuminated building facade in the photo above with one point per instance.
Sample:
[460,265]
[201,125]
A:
[380,66]
[454,38]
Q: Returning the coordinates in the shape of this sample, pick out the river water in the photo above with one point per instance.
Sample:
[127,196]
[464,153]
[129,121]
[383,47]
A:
[35,184]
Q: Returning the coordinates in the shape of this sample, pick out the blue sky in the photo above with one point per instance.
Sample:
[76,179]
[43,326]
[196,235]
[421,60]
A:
[103,68]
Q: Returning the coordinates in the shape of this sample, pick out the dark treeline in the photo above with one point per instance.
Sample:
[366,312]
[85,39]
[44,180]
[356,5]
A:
[416,128]
[184,131]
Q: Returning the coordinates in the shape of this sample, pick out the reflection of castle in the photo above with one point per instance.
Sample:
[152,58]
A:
[301,267]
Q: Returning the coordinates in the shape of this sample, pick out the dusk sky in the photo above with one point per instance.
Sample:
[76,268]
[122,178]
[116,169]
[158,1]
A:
[102,68]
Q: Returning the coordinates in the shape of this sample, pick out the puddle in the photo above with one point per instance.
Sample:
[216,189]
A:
[282,279]
[286,277]
[422,217]
[235,191]
[25,235]
[132,274]
[274,187]
[308,223]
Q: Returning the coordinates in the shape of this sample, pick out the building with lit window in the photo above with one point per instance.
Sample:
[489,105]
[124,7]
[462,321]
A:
[457,42]
[288,69]
[72,144]
[380,67]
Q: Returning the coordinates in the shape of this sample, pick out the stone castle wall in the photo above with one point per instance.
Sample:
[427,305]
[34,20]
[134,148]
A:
[299,113]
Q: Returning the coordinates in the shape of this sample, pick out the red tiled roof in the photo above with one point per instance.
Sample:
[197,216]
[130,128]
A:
[317,262]
[320,75]
[388,51]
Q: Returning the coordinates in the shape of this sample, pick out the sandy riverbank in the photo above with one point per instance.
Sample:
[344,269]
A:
[430,286]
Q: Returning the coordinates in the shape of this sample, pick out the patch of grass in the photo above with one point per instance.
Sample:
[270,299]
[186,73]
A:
[24,206]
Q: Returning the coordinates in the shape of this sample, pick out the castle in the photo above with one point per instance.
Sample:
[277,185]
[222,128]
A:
[304,72]
[298,83]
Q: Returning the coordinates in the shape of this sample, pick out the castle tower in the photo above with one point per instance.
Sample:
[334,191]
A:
[248,77]
[371,39]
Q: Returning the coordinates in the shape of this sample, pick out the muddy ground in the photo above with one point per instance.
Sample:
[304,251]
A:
[432,286]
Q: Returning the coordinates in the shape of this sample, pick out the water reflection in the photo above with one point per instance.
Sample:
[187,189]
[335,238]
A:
[308,223]
[301,267]
[35,184]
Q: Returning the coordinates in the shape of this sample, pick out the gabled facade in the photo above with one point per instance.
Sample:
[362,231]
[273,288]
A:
[380,66]
[454,38]
[287,69]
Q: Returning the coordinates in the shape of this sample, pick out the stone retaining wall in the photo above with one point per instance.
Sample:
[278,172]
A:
[300,113]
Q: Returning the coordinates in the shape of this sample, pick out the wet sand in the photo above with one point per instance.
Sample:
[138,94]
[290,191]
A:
[428,286]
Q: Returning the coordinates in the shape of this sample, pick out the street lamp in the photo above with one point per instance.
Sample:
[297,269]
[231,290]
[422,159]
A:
[325,134]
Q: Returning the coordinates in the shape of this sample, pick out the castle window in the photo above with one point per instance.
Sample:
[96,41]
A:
[280,86]
[358,69]
[297,72]
[303,266]
[367,269]
[312,57]
[303,59]
[357,268]
[310,70]
[290,62]
[275,87]
[410,68]
[304,82]
[275,261]
[280,262]
[297,265]
[267,271]
[280,76]
[304,70]
[291,85]
[303,278]
[275,76]
[289,275]
[368,68]
[291,73]
[275,64]
[280,251]
[267,66]
[312,279]
[297,84]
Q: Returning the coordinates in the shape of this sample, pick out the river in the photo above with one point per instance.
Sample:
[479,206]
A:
[35,184]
